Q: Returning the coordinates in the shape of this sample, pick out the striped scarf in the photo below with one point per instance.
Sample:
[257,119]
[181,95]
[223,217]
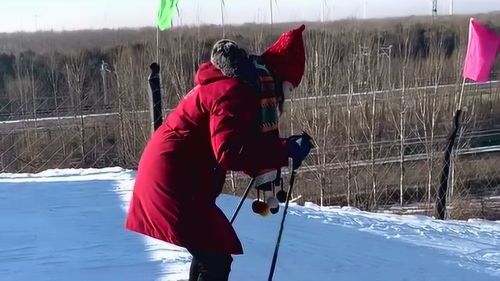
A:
[269,119]
[269,114]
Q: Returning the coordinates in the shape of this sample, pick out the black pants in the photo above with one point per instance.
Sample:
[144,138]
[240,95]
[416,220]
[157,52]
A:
[210,267]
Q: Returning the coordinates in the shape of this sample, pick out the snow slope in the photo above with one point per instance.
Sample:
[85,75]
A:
[67,225]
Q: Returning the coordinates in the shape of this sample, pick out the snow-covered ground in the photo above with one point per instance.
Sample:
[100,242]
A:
[67,225]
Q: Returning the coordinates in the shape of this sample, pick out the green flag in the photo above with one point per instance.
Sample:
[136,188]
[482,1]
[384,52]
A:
[165,13]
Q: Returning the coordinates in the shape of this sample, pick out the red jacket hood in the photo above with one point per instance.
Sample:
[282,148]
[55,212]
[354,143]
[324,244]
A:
[208,73]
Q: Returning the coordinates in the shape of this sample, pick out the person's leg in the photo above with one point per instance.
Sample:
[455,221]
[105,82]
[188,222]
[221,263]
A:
[212,267]
[194,272]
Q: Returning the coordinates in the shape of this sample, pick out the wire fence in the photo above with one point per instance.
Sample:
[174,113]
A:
[380,117]
[351,166]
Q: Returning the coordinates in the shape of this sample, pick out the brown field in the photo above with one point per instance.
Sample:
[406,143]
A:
[378,97]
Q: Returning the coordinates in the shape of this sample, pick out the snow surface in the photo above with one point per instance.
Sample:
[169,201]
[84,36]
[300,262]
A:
[67,225]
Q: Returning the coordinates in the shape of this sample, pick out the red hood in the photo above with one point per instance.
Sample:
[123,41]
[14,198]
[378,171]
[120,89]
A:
[208,73]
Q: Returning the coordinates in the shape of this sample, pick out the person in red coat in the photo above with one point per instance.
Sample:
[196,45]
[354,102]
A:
[215,128]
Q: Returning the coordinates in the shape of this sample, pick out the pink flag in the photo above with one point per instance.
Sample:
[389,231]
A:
[483,47]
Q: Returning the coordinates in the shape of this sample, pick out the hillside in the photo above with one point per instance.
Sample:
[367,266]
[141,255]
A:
[67,225]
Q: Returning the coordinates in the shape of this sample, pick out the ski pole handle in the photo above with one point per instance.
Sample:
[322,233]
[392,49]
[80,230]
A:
[308,137]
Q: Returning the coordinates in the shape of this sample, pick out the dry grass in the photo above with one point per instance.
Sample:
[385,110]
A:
[366,69]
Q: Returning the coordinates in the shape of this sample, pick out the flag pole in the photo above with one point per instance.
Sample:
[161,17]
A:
[222,4]
[157,44]
[445,183]
[461,94]
[271,8]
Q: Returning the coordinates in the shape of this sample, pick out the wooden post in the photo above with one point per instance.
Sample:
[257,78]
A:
[155,97]
[444,184]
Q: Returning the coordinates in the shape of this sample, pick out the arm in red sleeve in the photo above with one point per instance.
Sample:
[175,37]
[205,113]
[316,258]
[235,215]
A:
[236,143]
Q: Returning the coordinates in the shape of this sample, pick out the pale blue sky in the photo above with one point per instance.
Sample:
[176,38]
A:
[28,15]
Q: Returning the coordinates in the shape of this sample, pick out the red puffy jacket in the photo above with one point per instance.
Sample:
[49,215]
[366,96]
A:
[183,167]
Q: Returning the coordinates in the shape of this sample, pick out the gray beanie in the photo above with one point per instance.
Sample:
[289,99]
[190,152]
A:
[228,56]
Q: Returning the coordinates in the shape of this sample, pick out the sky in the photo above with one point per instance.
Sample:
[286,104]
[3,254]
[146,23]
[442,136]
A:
[31,15]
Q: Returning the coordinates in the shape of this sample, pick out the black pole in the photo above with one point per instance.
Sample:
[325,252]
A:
[245,194]
[155,96]
[444,184]
[288,198]
[282,226]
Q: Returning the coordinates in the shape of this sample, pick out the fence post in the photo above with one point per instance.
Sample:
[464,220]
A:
[155,97]
[444,183]
[104,71]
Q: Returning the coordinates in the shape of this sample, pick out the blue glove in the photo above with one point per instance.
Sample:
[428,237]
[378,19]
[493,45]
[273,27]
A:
[299,147]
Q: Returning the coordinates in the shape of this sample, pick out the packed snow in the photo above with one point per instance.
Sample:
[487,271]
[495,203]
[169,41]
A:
[67,225]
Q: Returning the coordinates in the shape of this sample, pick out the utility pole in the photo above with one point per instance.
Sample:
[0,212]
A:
[222,5]
[323,11]
[36,22]
[451,7]
[434,8]
[271,8]
[365,8]
[104,71]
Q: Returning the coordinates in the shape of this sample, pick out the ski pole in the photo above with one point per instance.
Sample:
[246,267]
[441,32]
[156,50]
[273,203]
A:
[282,226]
[242,200]
[275,255]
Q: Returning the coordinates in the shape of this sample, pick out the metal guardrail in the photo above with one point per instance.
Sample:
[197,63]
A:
[45,122]
[479,86]
[62,121]
[383,161]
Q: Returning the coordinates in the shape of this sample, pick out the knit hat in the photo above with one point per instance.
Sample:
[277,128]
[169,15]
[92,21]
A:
[227,55]
[233,61]
[286,57]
